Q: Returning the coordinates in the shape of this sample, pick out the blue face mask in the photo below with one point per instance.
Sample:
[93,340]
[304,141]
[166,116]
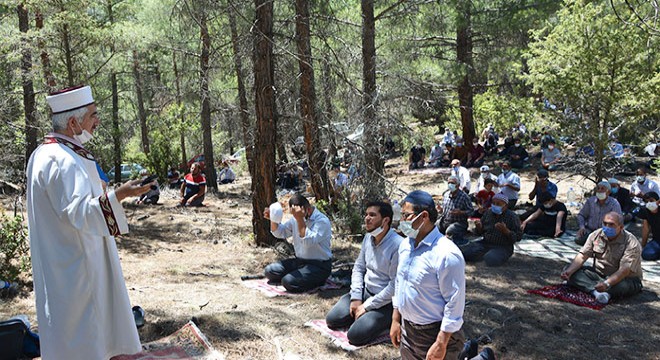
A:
[615,190]
[452,187]
[496,209]
[609,232]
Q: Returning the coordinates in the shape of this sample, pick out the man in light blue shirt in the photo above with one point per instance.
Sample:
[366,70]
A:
[509,184]
[429,294]
[312,233]
[367,309]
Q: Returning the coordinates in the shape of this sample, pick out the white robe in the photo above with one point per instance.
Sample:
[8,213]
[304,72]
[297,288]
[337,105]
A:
[83,310]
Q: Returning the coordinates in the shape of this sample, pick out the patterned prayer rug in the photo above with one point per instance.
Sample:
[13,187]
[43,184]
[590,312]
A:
[339,337]
[273,290]
[568,294]
[186,343]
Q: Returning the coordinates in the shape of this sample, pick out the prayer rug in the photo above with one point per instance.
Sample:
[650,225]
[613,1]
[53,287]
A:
[186,343]
[339,337]
[273,290]
[568,294]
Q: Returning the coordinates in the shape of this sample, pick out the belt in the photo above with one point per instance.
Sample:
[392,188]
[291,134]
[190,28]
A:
[422,327]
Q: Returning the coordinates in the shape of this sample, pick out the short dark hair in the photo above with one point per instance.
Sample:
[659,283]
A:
[651,195]
[299,200]
[489,181]
[384,209]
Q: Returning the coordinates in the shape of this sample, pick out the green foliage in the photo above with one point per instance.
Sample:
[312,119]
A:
[14,249]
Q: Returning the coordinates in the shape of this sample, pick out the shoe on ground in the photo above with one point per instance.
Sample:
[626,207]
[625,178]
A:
[485,354]
[601,297]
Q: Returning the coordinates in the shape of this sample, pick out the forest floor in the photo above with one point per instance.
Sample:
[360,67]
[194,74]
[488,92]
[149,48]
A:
[183,264]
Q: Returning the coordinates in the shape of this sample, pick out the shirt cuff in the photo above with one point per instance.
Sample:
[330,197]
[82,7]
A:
[451,325]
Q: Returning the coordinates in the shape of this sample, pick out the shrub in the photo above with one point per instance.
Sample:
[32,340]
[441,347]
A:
[14,256]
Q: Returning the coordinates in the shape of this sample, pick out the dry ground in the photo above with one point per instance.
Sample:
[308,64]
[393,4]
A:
[183,264]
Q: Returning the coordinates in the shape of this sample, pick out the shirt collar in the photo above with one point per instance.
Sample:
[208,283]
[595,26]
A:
[429,239]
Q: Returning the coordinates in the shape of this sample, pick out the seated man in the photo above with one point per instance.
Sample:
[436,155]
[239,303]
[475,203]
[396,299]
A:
[462,174]
[312,233]
[517,154]
[460,150]
[448,155]
[550,156]
[642,186]
[501,229]
[367,308]
[435,158]
[484,198]
[509,184]
[151,196]
[549,219]
[622,195]
[592,213]
[651,217]
[193,187]
[416,158]
[174,178]
[226,175]
[449,137]
[490,146]
[455,209]
[476,155]
[617,268]
[542,186]
[484,173]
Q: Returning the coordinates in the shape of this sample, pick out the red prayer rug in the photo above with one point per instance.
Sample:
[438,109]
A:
[273,290]
[186,343]
[339,337]
[568,294]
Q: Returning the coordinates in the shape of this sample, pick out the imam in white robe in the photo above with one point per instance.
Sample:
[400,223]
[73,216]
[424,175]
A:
[83,310]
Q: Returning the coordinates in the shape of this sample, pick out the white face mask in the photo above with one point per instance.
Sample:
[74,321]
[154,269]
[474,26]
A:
[83,137]
[377,231]
[641,179]
[652,206]
[407,229]
[551,147]
[601,195]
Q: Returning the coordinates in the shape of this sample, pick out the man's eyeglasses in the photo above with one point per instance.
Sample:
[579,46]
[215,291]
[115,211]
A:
[407,215]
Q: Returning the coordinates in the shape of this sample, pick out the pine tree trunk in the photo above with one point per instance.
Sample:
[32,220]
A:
[177,82]
[263,181]
[45,59]
[464,58]
[142,113]
[319,177]
[246,124]
[116,129]
[375,190]
[209,163]
[29,104]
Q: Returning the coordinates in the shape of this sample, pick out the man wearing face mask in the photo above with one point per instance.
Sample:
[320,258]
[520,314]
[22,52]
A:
[542,186]
[617,268]
[460,150]
[549,219]
[416,157]
[592,213]
[82,304]
[455,209]
[622,195]
[367,309]
[509,184]
[651,225]
[430,286]
[641,186]
[476,155]
[550,156]
[312,234]
[501,229]
[463,175]
[517,154]
[484,173]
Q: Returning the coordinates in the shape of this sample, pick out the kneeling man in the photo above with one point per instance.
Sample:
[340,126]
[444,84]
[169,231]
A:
[367,309]
[311,232]
[617,268]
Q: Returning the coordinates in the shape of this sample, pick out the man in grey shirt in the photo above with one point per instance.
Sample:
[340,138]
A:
[312,233]
[591,215]
[367,309]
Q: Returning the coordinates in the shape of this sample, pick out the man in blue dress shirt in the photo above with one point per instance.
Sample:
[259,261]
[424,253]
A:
[312,233]
[367,308]
[429,296]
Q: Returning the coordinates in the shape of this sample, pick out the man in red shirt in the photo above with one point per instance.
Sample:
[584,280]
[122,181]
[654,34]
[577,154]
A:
[193,187]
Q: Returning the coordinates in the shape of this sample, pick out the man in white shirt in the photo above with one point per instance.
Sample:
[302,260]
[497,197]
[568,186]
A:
[484,173]
[226,175]
[509,184]
[82,304]
[642,186]
[463,175]
[367,308]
